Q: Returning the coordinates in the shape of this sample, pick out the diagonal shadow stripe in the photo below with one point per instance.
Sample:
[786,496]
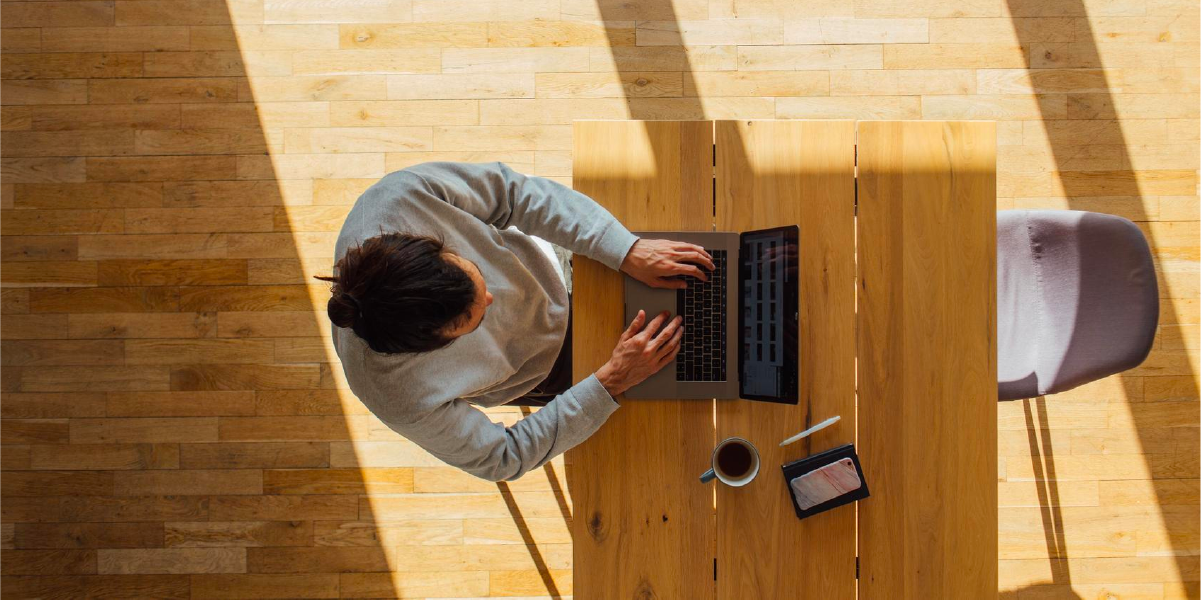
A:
[200,392]
[539,563]
[359,550]
[556,488]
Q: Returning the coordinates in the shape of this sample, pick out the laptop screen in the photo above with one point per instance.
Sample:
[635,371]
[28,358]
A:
[767,316]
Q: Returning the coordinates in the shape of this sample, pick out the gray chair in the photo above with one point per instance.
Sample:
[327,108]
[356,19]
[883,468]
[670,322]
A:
[1077,300]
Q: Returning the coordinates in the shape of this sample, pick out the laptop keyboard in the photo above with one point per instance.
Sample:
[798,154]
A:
[702,354]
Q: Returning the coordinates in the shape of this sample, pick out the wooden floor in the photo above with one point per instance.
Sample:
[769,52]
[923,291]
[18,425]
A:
[174,171]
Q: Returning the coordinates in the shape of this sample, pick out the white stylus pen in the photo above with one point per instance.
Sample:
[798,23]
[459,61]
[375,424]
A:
[804,434]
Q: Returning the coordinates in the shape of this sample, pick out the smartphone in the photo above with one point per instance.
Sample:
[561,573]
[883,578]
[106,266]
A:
[827,483]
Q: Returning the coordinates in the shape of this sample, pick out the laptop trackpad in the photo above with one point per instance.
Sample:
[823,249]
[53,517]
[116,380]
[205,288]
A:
[639,296]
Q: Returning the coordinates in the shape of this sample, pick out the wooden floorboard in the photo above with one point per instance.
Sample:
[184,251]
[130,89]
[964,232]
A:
[173,173]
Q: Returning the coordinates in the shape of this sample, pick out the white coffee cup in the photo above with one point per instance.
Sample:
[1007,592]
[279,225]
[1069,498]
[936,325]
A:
[736,466]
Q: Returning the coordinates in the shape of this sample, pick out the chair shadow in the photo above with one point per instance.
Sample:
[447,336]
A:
[557,490]
[1043,462]
[527,537]
[539,563]
[1042,459]
[1092,119]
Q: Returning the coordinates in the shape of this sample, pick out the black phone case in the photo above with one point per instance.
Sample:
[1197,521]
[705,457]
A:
[797,468]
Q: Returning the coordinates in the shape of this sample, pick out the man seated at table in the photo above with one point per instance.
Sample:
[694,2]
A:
[442,305]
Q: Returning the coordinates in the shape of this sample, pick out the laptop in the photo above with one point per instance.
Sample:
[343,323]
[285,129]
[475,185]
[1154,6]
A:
[740,327]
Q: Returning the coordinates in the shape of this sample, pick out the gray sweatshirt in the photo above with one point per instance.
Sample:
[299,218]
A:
[432,398]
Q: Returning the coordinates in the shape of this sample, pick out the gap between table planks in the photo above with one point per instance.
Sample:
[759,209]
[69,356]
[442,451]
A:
[635,169]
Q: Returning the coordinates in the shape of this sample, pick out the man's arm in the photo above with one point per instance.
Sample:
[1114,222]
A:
[502,197]
[461,435]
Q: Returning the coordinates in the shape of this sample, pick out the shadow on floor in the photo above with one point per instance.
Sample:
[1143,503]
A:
[1042,458]
[196,387]
[1092,121]
[515,512]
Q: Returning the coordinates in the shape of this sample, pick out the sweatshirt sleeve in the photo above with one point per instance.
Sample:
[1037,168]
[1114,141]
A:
[461,435]
[502,197]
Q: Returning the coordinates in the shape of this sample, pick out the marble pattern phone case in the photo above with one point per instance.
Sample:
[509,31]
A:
[825,484]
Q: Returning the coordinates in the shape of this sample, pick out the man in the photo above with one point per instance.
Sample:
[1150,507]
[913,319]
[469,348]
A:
[440,306]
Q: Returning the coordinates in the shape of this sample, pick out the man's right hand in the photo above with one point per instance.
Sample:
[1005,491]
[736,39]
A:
[642,350]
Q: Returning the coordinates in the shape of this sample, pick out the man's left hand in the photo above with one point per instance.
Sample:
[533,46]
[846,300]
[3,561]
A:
[663,263]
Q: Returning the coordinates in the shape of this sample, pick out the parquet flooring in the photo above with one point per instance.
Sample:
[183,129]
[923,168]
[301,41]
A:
[174,171]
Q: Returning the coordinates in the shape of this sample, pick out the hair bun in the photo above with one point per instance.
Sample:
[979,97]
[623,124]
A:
[344,310]
[354,304]
[408,283]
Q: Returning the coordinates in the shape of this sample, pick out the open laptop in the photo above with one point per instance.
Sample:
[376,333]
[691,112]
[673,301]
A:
[740,327]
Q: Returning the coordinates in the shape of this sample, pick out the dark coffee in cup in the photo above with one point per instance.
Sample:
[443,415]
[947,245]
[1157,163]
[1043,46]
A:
[734,460]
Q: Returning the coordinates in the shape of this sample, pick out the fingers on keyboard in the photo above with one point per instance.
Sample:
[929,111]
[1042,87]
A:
[703,305]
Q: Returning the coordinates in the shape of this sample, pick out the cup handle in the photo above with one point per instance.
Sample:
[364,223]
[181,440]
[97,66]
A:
[708,476]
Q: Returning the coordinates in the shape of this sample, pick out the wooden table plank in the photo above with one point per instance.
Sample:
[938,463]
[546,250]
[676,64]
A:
[772,173]
[642,524]
[927,359]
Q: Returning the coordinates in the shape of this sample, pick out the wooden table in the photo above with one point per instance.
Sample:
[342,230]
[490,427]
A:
[918,318]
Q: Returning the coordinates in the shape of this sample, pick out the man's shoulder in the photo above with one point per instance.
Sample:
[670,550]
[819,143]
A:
[389,385]
[403,179]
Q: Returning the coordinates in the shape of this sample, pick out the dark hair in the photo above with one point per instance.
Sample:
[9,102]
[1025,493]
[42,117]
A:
[398,292]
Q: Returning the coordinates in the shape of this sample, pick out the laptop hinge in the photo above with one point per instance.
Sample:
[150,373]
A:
[738,272]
